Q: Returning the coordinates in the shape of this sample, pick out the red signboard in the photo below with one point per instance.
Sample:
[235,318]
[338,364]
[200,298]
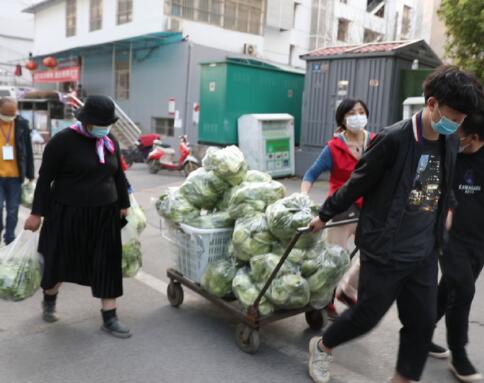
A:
[69,74]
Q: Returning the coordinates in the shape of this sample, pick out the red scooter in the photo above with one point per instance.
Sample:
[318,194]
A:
[163,157]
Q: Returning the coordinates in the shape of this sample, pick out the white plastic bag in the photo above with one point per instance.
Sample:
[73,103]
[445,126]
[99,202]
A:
[132,258]
[27,194]
[136,215]
[37,137]
[20,270]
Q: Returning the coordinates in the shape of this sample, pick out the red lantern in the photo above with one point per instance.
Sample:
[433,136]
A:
[31,65]
[18,70]
[49,62]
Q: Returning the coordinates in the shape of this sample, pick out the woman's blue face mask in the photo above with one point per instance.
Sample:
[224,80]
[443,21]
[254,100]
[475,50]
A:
[100,131]
[444,126]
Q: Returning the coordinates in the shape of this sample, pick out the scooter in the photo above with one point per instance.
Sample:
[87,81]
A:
[163,157]
[139,152]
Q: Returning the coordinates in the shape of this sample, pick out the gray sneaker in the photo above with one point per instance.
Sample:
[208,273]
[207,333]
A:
[319,362]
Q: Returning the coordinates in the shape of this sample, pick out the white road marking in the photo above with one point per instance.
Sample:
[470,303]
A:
[152,282]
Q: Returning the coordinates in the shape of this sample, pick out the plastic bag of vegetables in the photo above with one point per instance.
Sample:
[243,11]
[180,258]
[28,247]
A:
[289,291]
[251,237]
[228,163]
[218,277]
[251,197]
[132,257]
[203,189]
[262,266]
[333,263]
[20,272]
[217,220]
[247,292]
[136,215]
[173,206]
[257,176]
[288,214]
[27,194]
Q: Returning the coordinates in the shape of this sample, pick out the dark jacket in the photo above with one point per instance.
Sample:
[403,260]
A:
[384,178]
[23,149]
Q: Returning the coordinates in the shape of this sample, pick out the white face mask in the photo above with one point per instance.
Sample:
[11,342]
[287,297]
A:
[356,123]
[5,118]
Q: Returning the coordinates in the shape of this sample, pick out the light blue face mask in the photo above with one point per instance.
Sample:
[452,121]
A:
[444,126]
[100,131]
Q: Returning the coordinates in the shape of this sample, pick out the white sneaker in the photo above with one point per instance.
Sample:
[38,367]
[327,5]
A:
[319,362]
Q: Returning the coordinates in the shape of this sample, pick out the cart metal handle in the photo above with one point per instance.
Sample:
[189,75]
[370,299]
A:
[253,310]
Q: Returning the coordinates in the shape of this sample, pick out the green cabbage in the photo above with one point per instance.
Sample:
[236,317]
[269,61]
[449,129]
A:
[173,206]
[257,176]
[247,292]
[251,197]
[27,194]
[218,277]
[289,291]
[218,220]
[228,163]
[203,189]
[263,265]
[288,214]
[251,237]
[136,215]
[132,258]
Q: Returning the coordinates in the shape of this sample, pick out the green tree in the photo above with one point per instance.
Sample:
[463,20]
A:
[464,20]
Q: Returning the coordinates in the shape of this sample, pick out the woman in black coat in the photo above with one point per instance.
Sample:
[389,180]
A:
[82,195]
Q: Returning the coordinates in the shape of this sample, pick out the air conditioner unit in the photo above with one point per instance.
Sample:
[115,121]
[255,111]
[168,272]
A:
[250,49]
[173,25]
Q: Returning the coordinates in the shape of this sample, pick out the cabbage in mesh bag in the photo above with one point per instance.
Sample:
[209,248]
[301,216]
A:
[257,176]
[173,206]
[20,272]
[136,215]
[333,263]
[218,220]
[27,194]
[288,214]
[251,197]
[203,189]
[228,163]
[218,277]
[289,291]
[263,265]
[251,237]
[247,292]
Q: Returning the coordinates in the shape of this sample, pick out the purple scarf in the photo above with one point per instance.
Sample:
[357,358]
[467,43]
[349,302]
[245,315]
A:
[101,143]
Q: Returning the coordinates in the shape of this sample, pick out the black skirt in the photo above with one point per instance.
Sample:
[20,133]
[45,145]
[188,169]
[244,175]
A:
[83,245]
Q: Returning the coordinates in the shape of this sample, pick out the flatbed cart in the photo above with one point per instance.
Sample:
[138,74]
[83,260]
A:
[247,331]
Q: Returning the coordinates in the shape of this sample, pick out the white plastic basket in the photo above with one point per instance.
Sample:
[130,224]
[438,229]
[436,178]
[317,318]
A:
[195,248]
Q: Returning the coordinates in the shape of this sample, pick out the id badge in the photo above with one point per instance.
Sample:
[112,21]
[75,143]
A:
[7,152]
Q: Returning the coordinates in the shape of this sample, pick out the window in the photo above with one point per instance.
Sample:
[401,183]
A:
[122,79]
[406,22]
[96,15]
[343,26]
[371,36]
[343,1]
[71,18]
[240,15]
[163,126]
[125,11]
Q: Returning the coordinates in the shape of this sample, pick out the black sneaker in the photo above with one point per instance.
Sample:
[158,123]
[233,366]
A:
[463,370]
[438,352]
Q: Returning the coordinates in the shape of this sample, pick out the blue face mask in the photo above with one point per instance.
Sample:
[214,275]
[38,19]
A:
[444,126]
[100,131]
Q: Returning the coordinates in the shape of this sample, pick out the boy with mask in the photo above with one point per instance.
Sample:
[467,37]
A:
[405,178]
[463,257]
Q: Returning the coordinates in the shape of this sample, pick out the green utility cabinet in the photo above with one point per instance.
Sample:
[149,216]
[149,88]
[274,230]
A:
[236,87]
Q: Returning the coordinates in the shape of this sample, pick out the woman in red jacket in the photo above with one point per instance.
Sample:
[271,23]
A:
[339,158]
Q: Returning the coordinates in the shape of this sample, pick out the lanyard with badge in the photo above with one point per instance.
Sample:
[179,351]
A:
[7,149]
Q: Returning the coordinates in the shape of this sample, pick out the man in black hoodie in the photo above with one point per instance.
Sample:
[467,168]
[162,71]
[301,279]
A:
[405,178]
[463,257]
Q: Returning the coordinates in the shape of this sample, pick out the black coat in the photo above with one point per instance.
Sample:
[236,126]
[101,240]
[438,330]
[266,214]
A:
[384,177]
[23,148]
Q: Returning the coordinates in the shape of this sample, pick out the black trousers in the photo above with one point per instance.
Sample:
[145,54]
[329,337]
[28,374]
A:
[461,265]
[414,286]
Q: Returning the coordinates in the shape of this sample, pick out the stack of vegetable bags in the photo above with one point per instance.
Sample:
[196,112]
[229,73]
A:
[20,272]
[132,257]
[225,194]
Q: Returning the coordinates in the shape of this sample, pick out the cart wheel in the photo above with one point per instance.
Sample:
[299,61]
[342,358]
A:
[174,293]
[247,338]
[316,319]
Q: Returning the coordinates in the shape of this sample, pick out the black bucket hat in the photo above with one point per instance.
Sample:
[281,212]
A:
[97,110]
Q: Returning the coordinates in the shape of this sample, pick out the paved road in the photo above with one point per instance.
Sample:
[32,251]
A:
[194,343]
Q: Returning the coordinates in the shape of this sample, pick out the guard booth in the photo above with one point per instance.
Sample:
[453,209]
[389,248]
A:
[371,72]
